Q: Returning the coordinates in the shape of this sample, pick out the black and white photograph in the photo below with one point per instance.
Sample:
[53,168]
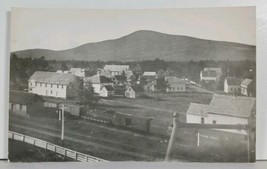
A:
[100,85]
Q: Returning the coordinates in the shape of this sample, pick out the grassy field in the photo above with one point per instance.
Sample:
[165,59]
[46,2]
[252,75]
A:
[23,152]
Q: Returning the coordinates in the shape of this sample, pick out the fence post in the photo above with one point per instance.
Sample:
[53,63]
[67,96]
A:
[172,138]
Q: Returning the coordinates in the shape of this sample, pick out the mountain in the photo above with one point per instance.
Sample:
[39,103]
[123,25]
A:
[149,45]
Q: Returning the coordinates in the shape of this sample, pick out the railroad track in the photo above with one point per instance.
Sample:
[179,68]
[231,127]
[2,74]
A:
[137,153]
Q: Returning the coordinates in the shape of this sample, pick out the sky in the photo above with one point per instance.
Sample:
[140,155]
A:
[59,29]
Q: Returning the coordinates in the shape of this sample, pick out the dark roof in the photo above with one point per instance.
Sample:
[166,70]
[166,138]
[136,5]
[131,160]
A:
[233,81]
[52,77]
[209,74]
[137,88]
[233,106]
[109,87]
[246,82]
[24,98]
[120,77]
[97,79]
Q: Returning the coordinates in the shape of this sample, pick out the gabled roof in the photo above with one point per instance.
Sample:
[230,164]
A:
[232,106]
[108,87]
[24,98]
[52,77]
[174,80]
[216,69]
[197,109]
[246,82]
[116,67]
[209,74]
[97,79]
[231,81]
[149,74]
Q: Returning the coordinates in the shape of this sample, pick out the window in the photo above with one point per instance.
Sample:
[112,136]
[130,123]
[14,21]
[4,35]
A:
[47,92]
[202,120]
[45,85]
[57,86]
[62,86]
[35,83]
[51,85]
[51,91]
[213,121]
[40,84]
[20,107]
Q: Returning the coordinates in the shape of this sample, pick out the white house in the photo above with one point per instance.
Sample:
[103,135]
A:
[119,70]
[134,91]
[175,84]
[223,110]
[246,87]
[232,85]
[53,84]
[106,91]
[98,82]
[208,76]
[216,69]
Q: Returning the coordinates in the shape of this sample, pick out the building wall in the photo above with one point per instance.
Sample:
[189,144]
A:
[231,89]
[18,109]
[176,88]
[244,91]
[220,119]
[103,92]
[45,89]
[130,93]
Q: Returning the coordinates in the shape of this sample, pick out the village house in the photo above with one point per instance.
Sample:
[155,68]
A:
[232,85]
[119,70]
[54,84]
[216,69]
[148,81]
[174,84]
[23,103]
[134,91]
[247,87]
[223,110]
[97,82]
[79,72]
[106,91]
[207,76]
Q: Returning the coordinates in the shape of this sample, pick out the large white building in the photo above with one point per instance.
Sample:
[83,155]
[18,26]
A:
[53,84]
[223,110]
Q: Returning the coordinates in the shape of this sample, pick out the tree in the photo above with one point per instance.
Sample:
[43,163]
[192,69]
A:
[87,97]
[64,66]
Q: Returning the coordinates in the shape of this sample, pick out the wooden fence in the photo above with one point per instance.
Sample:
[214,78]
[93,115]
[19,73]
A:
[55,148]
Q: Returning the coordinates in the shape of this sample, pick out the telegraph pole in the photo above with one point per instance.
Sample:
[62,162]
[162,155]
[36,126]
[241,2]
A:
[62,125]
[172,138]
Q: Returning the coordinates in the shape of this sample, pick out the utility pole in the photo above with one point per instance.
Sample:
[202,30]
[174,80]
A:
[62,126]
[172,138]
